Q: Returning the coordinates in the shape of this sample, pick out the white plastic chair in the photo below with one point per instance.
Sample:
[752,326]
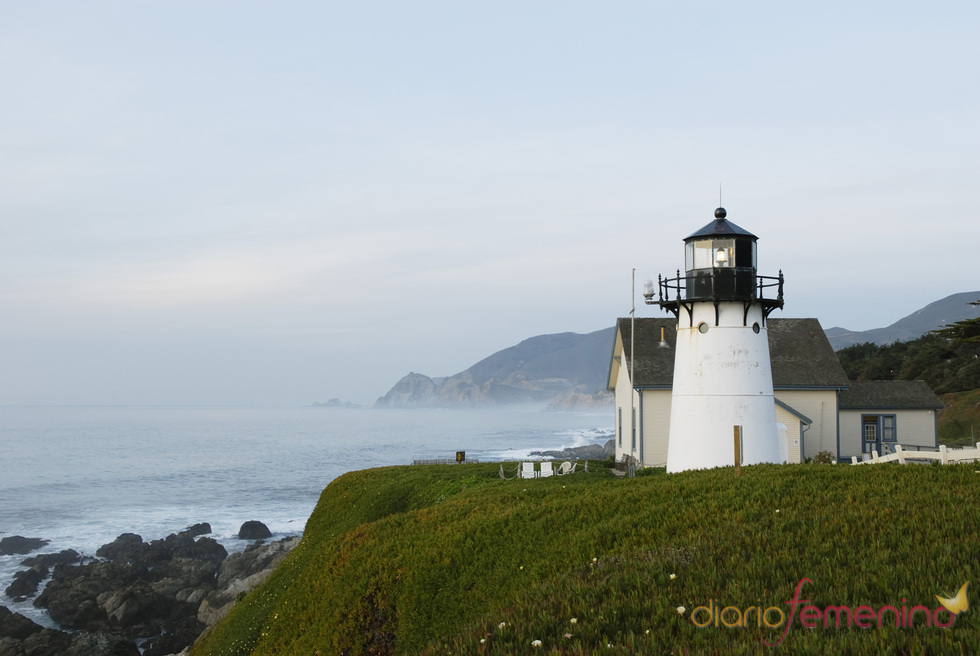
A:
[546,469]
[527,470]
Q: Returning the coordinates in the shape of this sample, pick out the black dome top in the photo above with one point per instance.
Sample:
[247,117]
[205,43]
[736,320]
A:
[720,227]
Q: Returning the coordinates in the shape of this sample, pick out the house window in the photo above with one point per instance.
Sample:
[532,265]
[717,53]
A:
[888,428]
[879,427]
[619,431]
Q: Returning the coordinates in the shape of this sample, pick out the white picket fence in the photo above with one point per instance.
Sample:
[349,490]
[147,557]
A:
[944,455]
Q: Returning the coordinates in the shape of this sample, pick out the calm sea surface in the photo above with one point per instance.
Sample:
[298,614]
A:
[80,476]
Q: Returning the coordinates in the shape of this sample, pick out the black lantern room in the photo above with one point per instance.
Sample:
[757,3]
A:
[720,262]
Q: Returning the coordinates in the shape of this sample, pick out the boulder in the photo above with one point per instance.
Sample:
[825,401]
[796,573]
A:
[128,547]
[147,590]
[41,643]
[65,556]
[198,530]
[16,626]
[158,592]
[71,596]
[241,573]
[19,636]
[100,644]
[587,452]
[254,530]
[129,606]
[17,544]
[26,582]
[180,635]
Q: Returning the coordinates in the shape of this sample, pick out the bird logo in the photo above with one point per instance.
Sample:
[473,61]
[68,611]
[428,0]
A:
[957,604]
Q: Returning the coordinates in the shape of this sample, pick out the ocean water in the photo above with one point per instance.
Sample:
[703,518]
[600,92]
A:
[80,476]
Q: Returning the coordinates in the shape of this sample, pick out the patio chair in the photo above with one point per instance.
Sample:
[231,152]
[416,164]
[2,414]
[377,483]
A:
[567,468]
[527,470]
[546,469]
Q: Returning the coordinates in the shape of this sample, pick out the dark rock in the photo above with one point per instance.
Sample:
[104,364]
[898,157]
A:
[127,548]
[71,596]
[240,573]
[66,556]
[198,529]
[179,634]
[16,626]
[45,642]
[100,644]
[588,452]
[19,636]
[147,590]
[16,544]
[254,530]
[26,582]
[153,591]
[207,550]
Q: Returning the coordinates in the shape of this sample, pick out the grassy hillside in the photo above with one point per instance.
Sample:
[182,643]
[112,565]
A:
[959,420]
[452,559]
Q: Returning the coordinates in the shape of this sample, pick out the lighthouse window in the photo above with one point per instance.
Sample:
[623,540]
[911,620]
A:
[745,254]
[722,253]
[755,328]
[702,327]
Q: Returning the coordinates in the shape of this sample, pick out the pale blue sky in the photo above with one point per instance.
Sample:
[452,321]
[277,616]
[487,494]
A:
[284,202]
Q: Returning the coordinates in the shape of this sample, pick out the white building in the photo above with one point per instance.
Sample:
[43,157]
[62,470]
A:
[683,384]
[821,409]
[722,384]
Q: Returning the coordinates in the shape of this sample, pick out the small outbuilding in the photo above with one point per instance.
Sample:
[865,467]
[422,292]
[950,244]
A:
[875,415]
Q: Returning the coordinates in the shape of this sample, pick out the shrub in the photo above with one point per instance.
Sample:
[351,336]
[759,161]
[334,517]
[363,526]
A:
[825,458]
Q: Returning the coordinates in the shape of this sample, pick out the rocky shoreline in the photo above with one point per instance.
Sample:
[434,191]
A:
[154,598]
[588,452]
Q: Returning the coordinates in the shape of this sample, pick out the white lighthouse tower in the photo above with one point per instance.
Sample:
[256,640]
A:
[722,373]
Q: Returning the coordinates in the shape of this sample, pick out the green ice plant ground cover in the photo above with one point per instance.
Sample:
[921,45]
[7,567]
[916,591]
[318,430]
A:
[453,560]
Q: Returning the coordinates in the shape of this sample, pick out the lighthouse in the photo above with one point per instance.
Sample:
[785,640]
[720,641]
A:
[722,383]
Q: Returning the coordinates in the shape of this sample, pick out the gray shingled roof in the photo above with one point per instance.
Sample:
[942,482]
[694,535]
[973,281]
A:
[889,394]
[799,351]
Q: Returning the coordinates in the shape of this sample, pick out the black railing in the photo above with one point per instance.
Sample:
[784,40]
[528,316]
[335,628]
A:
[717,285]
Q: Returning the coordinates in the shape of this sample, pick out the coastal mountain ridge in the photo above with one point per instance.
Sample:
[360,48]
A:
[937,314]
[569,370]
[541,369]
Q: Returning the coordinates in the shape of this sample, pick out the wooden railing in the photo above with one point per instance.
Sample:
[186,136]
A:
[944,455]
